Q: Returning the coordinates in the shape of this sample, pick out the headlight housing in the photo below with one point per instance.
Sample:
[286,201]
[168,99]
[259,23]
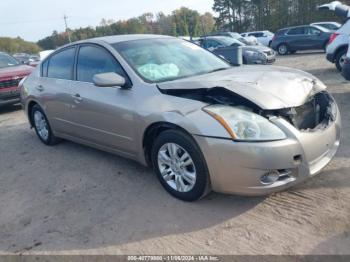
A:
[243,125]
[256,54]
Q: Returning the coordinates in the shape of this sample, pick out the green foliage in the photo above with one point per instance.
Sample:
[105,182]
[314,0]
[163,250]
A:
[181,22]
[18,45]
[243,15]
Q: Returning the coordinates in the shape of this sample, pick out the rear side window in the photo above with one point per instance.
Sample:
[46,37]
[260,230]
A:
[281,32]
[44,67]
[297,31]
[94,60]
[61,64]
[313,31]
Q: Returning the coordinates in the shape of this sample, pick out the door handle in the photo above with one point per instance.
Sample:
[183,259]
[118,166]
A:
[40,88]
[77,98]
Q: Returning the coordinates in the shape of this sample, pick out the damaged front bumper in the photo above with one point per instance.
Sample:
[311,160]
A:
[239,167]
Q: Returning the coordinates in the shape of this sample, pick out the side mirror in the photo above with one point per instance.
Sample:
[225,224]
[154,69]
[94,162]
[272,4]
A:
[109,80]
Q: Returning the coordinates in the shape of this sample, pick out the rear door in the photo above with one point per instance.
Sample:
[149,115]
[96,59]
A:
[297,38]
[54,87]
[315,37]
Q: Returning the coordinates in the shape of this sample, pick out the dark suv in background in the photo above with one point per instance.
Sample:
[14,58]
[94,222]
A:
[307,37]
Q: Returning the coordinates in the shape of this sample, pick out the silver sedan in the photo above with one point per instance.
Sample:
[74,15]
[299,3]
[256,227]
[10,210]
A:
[200,123]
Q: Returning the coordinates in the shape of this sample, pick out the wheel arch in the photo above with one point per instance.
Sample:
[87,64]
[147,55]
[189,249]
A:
[339,49]
[283,43]
[152,132]
[30,106]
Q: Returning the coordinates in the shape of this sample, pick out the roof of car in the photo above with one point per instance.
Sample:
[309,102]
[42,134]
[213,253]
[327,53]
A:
[292,27]
[123,38]
[326,22]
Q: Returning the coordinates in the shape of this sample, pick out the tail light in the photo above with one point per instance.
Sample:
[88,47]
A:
[332,38]
[274,38]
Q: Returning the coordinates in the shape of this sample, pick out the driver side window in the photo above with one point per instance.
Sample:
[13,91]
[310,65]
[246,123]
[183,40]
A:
[94,60]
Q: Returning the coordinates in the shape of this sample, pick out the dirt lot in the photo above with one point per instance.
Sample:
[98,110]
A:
[72,199]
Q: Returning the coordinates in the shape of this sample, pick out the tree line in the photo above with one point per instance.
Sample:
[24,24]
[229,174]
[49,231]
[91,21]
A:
[232,15]
[251,15]
[181,22]
[18,45]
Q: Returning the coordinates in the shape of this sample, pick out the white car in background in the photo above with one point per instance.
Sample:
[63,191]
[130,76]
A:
[332,26]
[337,47]
[263,37]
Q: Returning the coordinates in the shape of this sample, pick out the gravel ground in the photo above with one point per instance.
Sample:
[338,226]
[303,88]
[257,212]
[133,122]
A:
[71,199]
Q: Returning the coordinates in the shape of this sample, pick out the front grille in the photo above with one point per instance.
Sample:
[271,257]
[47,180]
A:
[9,83]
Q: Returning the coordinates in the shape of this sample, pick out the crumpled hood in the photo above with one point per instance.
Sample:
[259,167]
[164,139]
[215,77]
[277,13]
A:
[268,87]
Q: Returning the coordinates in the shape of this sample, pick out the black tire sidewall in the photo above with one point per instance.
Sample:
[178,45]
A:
[338,57]
[186,142]
[51,139]
[287,49]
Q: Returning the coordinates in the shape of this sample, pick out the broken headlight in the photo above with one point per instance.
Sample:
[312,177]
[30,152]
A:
[243,125]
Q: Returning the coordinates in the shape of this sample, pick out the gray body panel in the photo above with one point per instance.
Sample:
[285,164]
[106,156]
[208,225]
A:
[116,119]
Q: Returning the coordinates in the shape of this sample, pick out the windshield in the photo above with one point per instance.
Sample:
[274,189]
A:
[7,61]
[159,60]
[227,41]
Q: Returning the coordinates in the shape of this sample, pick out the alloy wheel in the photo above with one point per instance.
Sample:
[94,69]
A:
[282,49]
[177,167]
[41,125]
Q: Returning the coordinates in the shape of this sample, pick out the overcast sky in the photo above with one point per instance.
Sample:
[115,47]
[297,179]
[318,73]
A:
[35,19]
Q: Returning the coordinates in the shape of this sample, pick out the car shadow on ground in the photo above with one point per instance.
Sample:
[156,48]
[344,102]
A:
[303,53]
[94,200]
[10,108]
[337,245]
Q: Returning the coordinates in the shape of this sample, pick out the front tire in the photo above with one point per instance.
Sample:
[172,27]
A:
[180,166]
[283,49]
[42,126]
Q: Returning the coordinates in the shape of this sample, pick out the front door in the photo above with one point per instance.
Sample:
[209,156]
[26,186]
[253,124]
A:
[101,115]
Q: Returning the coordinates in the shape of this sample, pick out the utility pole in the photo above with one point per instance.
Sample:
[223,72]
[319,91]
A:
[65,22]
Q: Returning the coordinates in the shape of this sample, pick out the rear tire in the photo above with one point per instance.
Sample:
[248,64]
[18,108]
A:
[180,166]
[340,58]
[42,126]
[282,49]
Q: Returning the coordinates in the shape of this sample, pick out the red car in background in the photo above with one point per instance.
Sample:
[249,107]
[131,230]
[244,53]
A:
[11,73]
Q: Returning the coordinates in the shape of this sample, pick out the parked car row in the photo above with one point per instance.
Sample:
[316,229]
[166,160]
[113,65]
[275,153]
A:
[225,46]
[27,59]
